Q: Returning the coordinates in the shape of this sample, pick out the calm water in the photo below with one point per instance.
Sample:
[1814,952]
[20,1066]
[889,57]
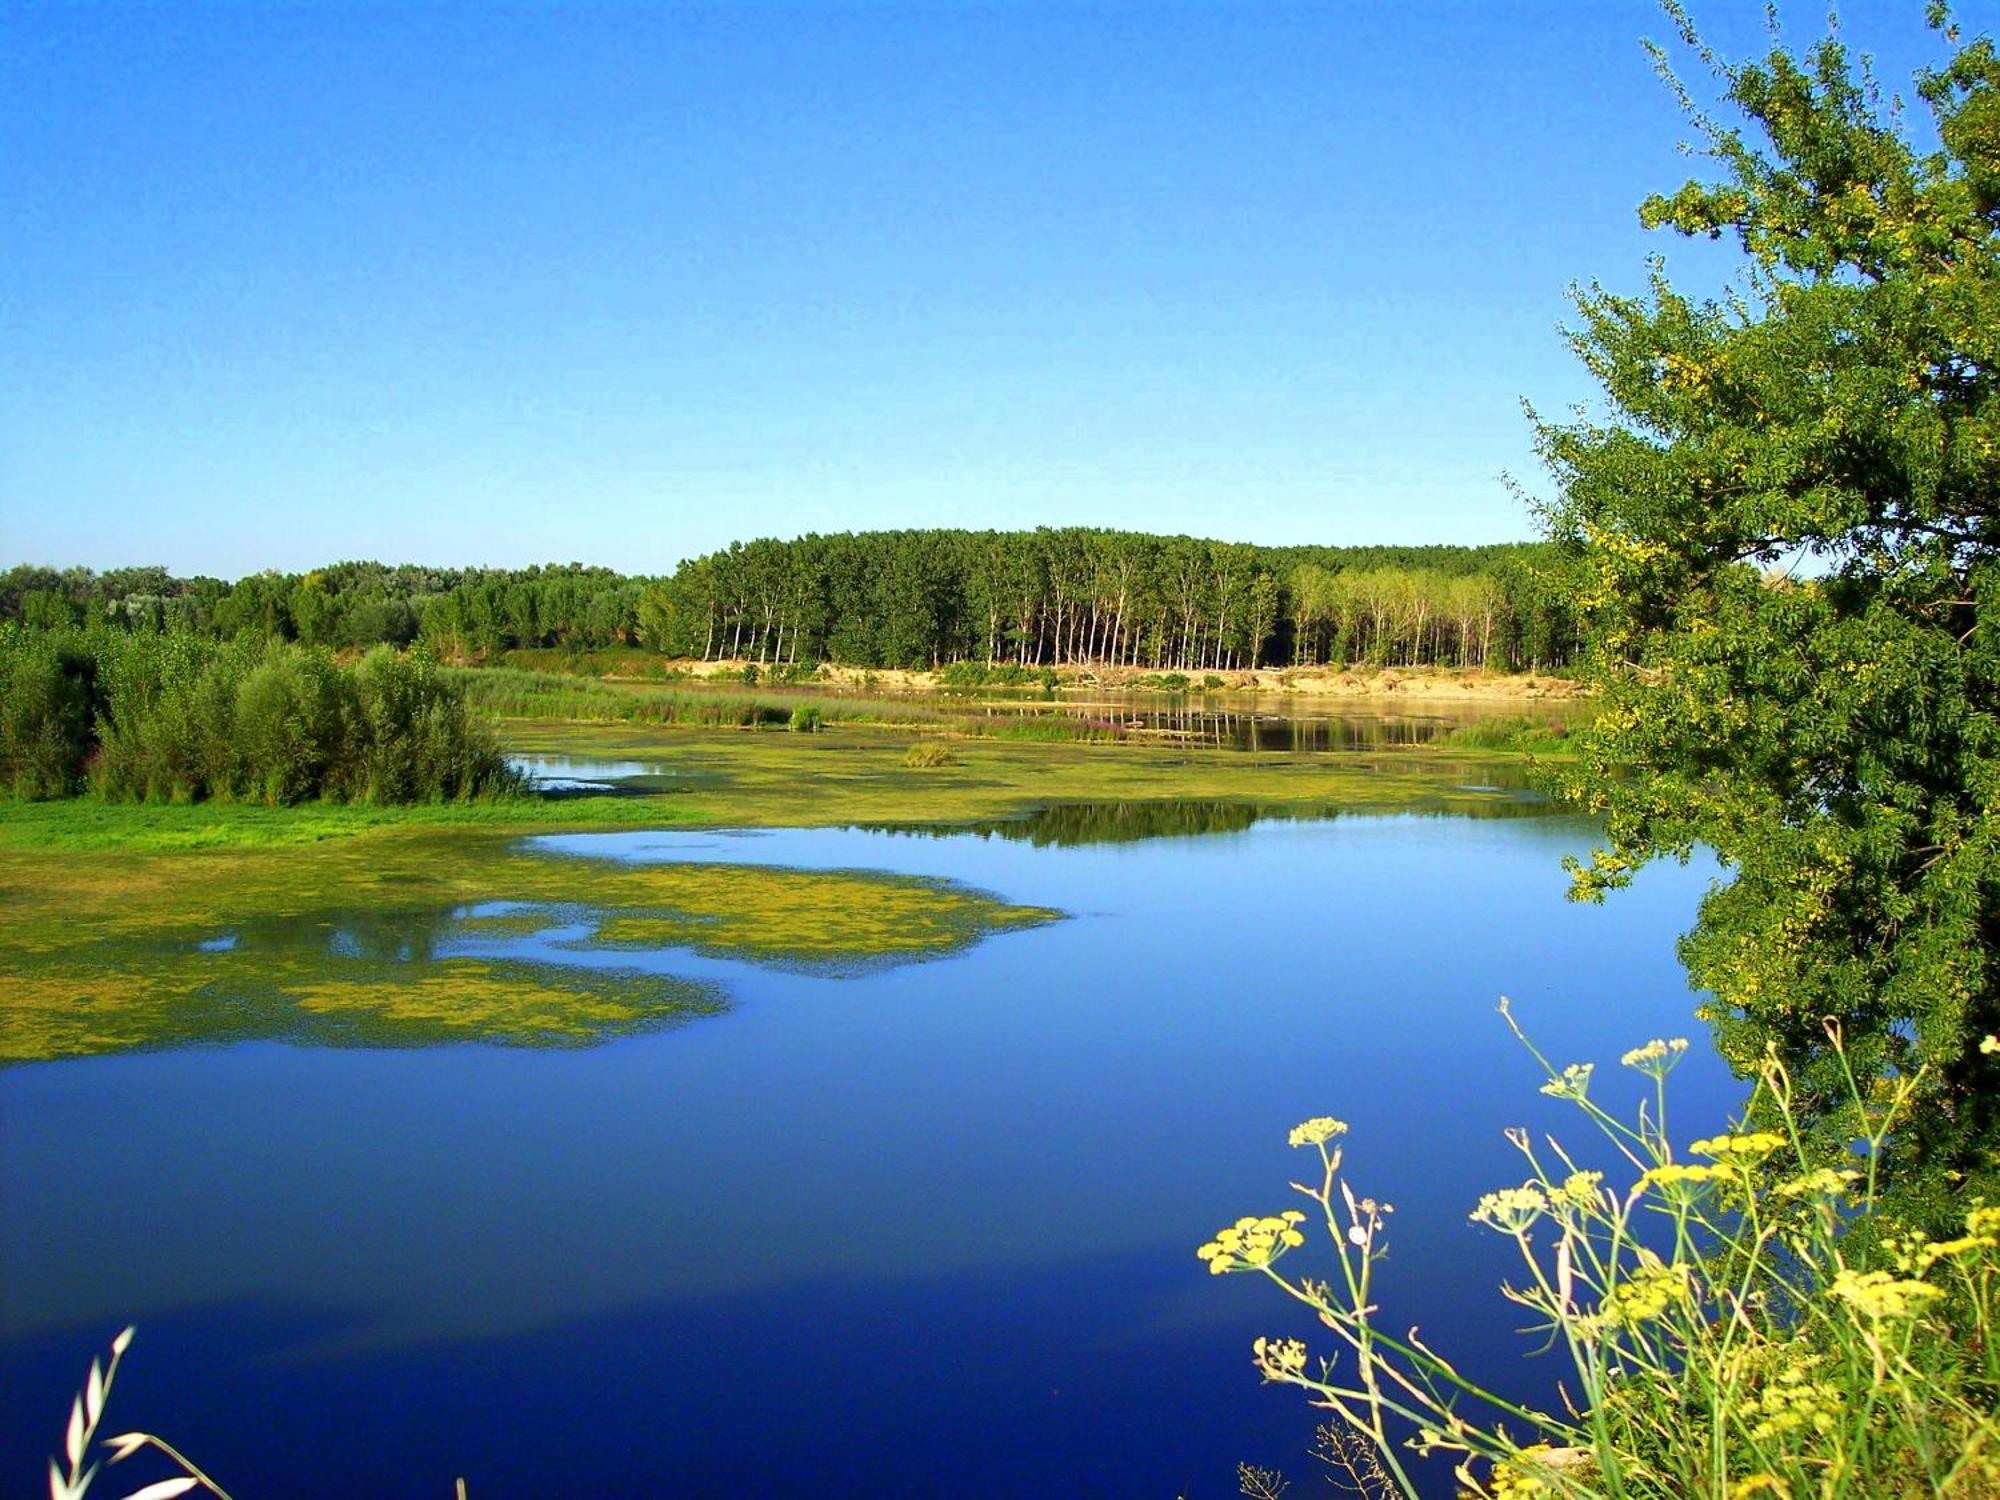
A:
[1274,722]
[928,1230]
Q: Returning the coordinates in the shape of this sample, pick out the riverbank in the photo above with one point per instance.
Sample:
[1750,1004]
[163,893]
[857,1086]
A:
[1270,685]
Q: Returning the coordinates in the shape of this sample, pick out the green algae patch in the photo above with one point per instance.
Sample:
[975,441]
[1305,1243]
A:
[391,926]
[415,938]
[842,922]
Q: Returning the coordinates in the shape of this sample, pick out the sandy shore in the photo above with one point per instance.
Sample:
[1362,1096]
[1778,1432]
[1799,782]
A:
[1405,683]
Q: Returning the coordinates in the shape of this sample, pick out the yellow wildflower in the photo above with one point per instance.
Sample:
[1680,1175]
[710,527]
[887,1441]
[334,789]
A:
[1251,1243]
[1646,1292]
[1571,1083]
[1758,1484]
[1792,1402]
[1317,1131]
[1877,1294]
[1512,1210]
[1580,1188]
[1676,1174]
[1279,1359]
[1754,1146]
[1657,1057]
[1822,1182]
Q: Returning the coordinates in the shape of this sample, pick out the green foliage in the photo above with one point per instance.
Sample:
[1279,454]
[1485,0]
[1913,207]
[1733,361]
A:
[1066,596]
[805,720]
[1530,736]
[48,695]
[920,599]
[1737,1318]
[1790,540]
[178,717]
[928,753]
[515,694]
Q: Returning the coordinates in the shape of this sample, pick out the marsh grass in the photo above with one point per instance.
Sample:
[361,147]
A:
[1736,1317]
[1511,734]
[513,693]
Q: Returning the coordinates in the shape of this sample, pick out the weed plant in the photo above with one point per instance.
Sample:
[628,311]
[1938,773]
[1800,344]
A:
[1787,1339]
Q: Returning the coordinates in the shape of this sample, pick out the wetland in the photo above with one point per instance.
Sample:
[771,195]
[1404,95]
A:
[764,1111]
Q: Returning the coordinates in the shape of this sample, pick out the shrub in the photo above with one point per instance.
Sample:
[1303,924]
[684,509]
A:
[804,720]
[926,753]
[48,708]
[1740,1320]
[176,717]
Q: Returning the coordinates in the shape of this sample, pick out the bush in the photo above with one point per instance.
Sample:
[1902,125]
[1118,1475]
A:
[1784,1338]
[176,717]
[804,720]
[48,709]
[926,753]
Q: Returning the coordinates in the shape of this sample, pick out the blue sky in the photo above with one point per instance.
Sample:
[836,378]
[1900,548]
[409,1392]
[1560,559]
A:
[507,284]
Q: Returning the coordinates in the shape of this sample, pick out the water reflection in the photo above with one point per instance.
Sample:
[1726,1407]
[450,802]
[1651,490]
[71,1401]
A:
[1200,723]
[1072,824]
[939,1201]
[572,774]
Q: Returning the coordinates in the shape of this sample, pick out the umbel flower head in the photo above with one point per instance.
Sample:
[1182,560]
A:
[1512,1210]
[1572,1083]
[1317,1131]
[1251,1243]
[1657,1058]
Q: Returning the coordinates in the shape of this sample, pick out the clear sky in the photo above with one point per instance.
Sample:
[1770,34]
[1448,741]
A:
[509,284]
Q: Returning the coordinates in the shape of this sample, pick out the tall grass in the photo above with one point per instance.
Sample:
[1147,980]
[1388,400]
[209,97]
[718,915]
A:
[1737,1318]
[516,694]
[1531,736]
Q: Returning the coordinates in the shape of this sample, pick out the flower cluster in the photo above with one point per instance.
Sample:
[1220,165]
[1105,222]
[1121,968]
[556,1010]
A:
[1821,1182]
[1792,1401]
[1572,1083]
[1512,1210]
[1740,1149]
[1646,1293]
[1678,1174]
[1251,1243]
[1317,1131]
[1657,1058]
[1582,1189]
[1877,1294]
[1279,1359]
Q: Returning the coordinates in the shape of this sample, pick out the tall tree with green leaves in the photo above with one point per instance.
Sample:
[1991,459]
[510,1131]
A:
[1789,518]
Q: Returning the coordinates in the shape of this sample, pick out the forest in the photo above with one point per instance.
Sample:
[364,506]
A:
[919,599]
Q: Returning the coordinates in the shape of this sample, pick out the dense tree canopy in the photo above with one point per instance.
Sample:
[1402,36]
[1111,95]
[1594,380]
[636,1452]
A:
[1071,595]
[1790,520]
[1051,597]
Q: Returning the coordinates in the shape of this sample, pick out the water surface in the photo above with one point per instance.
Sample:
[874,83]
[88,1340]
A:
[924,1229]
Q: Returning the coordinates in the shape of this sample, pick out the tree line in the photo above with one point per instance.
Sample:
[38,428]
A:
[1053,597]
